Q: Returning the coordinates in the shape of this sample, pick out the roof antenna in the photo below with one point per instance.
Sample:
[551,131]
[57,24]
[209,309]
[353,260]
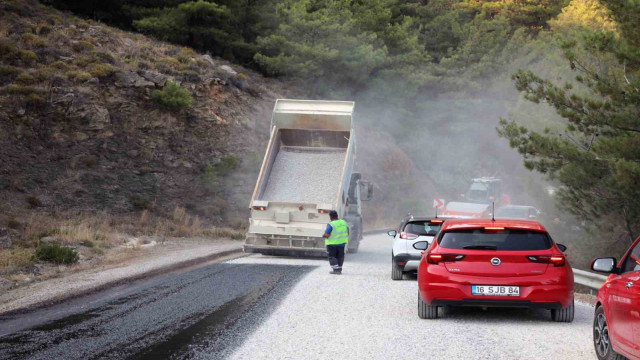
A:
[436,213]
[493,211]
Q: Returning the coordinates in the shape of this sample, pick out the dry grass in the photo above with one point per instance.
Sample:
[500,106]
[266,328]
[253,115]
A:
[100,239]
[12,260]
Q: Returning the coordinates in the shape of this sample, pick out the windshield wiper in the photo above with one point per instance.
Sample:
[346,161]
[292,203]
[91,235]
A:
[481,247]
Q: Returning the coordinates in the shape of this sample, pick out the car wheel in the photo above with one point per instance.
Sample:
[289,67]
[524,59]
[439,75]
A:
[426,311]
[563,314]
[396,271]
[601,341]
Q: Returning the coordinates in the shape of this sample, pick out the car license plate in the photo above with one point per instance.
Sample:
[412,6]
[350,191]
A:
[495,290]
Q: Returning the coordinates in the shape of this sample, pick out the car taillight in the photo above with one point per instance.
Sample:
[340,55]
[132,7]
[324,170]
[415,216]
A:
[259,208]
[437,258]
[556,260]
[404,235]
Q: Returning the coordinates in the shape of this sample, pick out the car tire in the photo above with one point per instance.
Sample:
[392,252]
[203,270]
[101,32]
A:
[563,314]
[396,271]
[601,342]
[426,311]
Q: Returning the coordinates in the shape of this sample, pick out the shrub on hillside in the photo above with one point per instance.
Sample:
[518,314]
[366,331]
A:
[8,73]
[172,97]
[57,254]
[27,56]
[101,70]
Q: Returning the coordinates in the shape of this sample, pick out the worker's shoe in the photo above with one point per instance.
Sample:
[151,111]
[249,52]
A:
[335,272]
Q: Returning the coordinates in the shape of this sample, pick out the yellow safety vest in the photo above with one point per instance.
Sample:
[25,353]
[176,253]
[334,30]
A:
[339,233]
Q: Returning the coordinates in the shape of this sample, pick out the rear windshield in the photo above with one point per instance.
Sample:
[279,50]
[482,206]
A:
[423,228]
[507,239]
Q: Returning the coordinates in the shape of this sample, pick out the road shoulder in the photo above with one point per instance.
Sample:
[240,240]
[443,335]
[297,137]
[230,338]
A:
[157,261]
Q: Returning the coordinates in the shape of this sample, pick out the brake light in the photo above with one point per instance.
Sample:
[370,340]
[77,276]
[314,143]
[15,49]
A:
[493,228]
[556,260]
[404,235]
[324,211]
[436,221]
[259,208]
[437,258]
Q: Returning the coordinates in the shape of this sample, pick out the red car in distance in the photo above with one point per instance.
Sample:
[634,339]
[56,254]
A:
[495,263]
[616,325]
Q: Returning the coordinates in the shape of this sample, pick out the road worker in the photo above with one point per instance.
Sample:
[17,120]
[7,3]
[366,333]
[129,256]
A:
[336,236]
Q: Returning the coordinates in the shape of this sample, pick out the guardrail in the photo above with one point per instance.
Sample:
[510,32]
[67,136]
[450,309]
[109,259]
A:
[589,279]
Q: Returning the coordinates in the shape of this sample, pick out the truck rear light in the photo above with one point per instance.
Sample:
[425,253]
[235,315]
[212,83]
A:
[259,208]
[556,260]
[437,258]
[324,211]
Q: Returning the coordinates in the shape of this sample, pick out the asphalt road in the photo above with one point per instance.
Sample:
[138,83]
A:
[260,307]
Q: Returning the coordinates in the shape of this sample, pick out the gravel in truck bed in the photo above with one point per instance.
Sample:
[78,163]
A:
[305,176]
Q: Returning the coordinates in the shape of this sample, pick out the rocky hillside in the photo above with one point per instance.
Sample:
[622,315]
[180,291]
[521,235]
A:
[85,124]
[95,120]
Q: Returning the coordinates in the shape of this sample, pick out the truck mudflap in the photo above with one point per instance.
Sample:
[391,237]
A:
[285,245]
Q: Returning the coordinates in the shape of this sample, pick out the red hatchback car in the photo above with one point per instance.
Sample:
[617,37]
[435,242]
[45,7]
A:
[495,263]
[616,326]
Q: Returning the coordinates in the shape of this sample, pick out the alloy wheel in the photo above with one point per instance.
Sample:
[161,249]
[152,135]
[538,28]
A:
[601,336]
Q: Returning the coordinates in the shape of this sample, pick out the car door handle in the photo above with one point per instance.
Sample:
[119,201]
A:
[629,284]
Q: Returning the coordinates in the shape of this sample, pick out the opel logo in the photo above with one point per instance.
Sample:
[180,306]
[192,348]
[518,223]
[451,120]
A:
[495,261]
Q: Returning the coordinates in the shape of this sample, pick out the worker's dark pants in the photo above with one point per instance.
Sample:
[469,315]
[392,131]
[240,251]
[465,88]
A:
[336,256]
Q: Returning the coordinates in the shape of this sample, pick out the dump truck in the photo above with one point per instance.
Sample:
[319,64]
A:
[307,171]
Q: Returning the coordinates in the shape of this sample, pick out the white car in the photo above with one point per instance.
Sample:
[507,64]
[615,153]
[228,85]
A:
[408,240]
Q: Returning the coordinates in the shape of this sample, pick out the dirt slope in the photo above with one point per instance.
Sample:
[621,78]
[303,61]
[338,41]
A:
[79,128]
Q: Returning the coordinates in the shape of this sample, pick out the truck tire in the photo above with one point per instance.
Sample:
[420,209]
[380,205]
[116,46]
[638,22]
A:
[426,311]
[563,314]
[396,271]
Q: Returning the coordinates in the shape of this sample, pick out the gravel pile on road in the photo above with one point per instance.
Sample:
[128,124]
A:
[305,176]
[363,314]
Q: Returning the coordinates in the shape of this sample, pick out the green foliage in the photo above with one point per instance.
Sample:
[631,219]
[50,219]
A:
[78,76]
[101,70]
[596,158]
[82,45]
[201,24]
[27,57]
[56,253]
[172,97]
[25,79]
[213,174]
[8,73]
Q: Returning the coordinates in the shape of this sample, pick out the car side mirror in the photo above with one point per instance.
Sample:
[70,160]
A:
[562,248]
[604,265]
[392,233]
[421,245]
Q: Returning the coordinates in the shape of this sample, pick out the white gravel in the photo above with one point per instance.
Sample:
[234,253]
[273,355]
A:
[305,176]
[363,314]
[81,282]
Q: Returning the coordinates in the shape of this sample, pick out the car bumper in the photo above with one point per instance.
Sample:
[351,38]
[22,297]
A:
[407,262]
[498,303]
